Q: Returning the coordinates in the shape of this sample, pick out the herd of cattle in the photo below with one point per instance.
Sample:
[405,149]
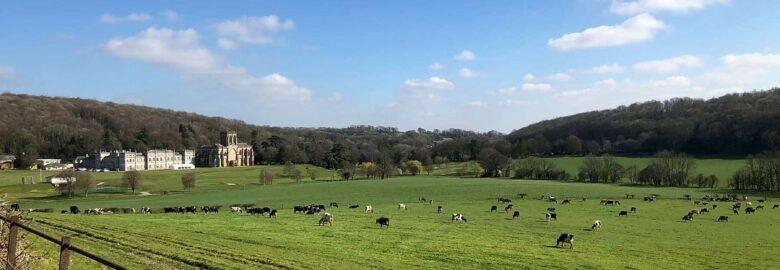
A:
[708,203]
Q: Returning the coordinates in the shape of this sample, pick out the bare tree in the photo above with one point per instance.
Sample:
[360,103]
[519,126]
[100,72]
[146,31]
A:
[84,182]
[188,180]
[132,179]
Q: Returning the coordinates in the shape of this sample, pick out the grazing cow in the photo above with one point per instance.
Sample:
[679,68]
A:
[550,209]
[383,221]
[458,217]
[714,206]
[354,206]
[439,209]
[255,211]
[334,204]
[750,210]
[687,218]
[272,214]
[566,201]
[508,207]
[584,199]
[723,219]
[401,206]
[704,210]
[146,210]
[623,214]
[565,238]
[237,209]
[760,207]
[633,210]
[369,209]
[736,211]
[63,211]
[552,199]
[191,209]
[296,209]
[761,201]
[776,206]
[15,207]
[596,225]
[504,200]
[74,210]
[516,214]
[493,208]
[551,216]
[327,218]
[749,204]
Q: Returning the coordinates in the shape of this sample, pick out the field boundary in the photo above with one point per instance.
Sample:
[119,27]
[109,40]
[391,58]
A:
[64,242]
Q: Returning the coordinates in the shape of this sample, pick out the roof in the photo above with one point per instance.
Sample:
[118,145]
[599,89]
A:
[6,158]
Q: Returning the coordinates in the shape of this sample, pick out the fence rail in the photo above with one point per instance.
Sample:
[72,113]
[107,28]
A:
[64,242]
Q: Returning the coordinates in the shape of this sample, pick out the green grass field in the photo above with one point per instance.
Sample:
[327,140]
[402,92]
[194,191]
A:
[419,238]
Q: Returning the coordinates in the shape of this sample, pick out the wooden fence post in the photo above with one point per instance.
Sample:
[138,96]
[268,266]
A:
[64,253]
[13,231]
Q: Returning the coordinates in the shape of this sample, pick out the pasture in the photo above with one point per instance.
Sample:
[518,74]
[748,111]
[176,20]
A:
[419,238]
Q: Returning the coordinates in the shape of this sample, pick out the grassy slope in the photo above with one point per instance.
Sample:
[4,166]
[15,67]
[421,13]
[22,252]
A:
[419,238]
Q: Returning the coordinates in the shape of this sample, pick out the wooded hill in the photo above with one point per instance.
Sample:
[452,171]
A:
[733,125]
[736,125]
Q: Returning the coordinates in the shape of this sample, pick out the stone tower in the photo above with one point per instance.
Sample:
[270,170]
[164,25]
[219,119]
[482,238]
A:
[228,138]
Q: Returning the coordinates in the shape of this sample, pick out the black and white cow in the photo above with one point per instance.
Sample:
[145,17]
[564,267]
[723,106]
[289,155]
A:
[633,210]
[516,214]
[327,218]
[439,209]
[354,206]
[458,217]
[383,221]
[623,214]
[551,216]
[750,210]
[565,238]
[493,208]
[334,204]
[272,214]
[74,210]
[508,207]
[723,219]
[596,225]
[687,218]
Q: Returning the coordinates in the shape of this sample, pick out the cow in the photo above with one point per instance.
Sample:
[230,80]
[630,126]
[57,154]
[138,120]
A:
[633,210]
[74,210]
[596,225]
[255,211]
[565,238]
[776,206]
[327,218]
[736,211]
[401,206]
[723,219]
[439,209]
[761,201]
[237,209]
[687,218]
[63,211]
[550,209]
[354,206]
[760,207]
[383,221]
[566,201]
[15,207]
[694,211]
[551,216]
[458,217]
[508,207]
[750,210]
[334,204]
[146,210]
[272,214]
[368,208]
[714,206]
[493,208]
[504,200]
[623,214]
[191,209]
[704,210]
[552,199]
[584,199]
[516,214]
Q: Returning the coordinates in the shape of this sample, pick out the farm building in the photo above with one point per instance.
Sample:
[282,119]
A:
[57,181]
[57,166]
[181,166]
[7,162]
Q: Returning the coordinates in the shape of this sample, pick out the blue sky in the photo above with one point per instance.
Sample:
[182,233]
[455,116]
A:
[479,65]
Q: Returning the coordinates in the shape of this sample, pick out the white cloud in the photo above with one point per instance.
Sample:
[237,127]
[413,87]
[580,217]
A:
[527,88]
[528,77]
[171,15]
[226,44]
[674,81]
[7,72]
[429,84]
[559,77]
[466,55]
[652,6]
[478,104]
[604,69]
[636,29]
[668,65]
[253,30]
[181,50]
[132,17]
[751,60]
[467,73]
[747,70]
[436,67]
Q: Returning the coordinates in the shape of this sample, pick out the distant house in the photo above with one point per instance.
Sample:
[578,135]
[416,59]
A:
[57,181]
[7,162]
[43,162]
[58,166]
[181,166]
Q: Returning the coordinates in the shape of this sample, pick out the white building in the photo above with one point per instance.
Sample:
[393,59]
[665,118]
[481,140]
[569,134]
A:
[57,166]
[43,162]
[57,181]
[159,159]
[182,166]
